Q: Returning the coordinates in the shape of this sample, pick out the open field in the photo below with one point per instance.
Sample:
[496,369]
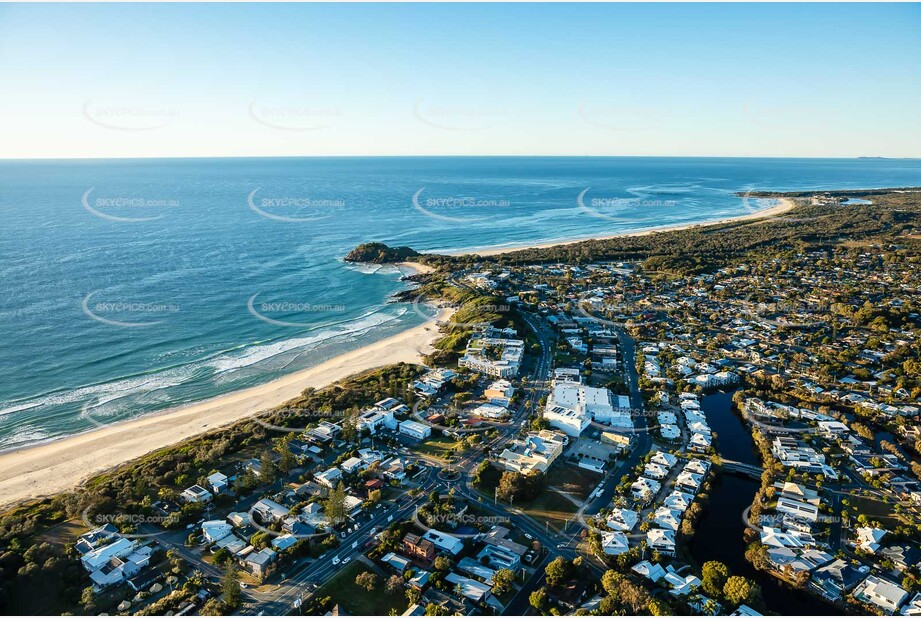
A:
[355,600]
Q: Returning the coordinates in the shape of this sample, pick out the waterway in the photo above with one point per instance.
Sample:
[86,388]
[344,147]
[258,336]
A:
[720,530]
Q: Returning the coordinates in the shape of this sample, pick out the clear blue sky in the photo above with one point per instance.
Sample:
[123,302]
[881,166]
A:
[592,79]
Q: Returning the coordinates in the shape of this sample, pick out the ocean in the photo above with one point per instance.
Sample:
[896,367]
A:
[130,286]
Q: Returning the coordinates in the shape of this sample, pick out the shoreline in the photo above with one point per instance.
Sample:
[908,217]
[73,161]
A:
[786,204]
[49,468]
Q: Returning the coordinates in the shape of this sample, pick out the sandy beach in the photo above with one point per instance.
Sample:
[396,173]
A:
[784,206]
[58,466]
[416,268]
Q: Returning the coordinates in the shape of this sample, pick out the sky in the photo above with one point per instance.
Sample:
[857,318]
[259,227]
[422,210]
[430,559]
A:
[174,80]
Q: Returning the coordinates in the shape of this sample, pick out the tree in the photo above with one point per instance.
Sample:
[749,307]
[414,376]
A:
[88,599]
[432,610]
[334,505]
[538,599]
[367,580]
[441,563]
[714,576]
[503,580]
[558,571]
[287,461]
[634,596]
[394,584]
[757,555]
[610,581]
[266,468]
[739,590]
[230,586]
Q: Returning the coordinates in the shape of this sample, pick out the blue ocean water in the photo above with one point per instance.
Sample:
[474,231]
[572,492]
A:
[130,286]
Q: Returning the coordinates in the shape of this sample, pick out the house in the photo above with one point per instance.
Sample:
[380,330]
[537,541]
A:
[884,594]
[258,563]
[652,572]
[330,478]
[681,585]
[196,493]
[655,471]
[913,607]
[498,557]
[664,459]
[838,578]
[500,392]
[497,537]
[114,571]
[796,508]
[902,556]
[537,451]
[644,489]
[745,610]
[218,482]
[688,480]
[397,562]
[614,543]
[99,556]
[472,567]
[269,510]
[662,541]
[415,430]
[700,442]
[774,537]
[215,530]
[678,501]
[622,520]
[869,539]
[444,542]
[667,518]
[351,465]
[283,542]
[469,588]
[418,548]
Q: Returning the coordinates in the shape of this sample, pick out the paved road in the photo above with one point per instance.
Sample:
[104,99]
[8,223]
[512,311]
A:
[642,443]
[281,600]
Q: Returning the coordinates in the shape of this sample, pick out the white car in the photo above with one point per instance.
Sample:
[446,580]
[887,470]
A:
[346,559]
[355,545]
[390,518]
[336,560]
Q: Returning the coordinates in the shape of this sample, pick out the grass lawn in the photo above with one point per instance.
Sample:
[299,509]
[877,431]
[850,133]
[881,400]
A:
[551,507]
[573,480]
[357,601]
[440,447]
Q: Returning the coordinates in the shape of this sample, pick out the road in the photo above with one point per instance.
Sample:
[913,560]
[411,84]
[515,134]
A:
[281,600]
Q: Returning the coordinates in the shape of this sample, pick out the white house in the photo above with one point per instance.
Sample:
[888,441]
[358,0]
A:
[215,530]
[667,518]
[330,477]
[614,543]
[882,593]
[662,541]
[196,493]
[622,520]
[218,482]
[444,541]
[415,430]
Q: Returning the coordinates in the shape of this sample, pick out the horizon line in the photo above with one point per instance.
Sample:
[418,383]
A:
[451,156]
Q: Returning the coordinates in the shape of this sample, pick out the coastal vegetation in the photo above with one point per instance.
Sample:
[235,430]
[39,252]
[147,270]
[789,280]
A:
[894,215]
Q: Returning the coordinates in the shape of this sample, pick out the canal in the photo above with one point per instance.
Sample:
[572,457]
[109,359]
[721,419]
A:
[719,534]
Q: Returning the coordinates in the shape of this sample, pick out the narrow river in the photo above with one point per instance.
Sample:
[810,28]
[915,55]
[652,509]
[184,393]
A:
[720,529]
